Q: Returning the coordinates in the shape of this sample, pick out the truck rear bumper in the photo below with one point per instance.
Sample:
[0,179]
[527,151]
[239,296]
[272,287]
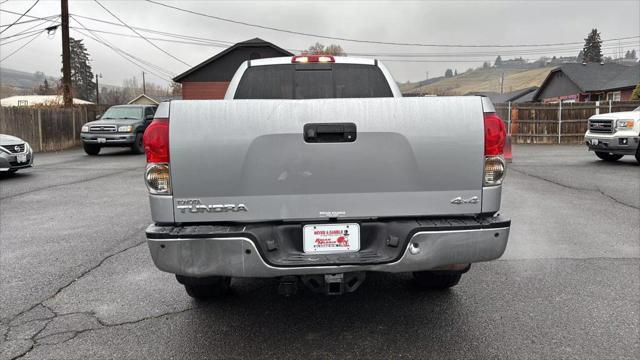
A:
[200,251]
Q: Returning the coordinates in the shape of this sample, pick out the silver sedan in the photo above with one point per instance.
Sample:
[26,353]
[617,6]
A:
[15,154]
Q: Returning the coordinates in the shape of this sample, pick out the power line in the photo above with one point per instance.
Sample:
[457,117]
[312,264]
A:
[201,43]
[26,33]
[140,35]
[360,40]
[21,16]
[29,30]
[553,51]
[122,53]
[22,33]
[21,47]
[193,40]
[25,15]
[158,32]
[29,21]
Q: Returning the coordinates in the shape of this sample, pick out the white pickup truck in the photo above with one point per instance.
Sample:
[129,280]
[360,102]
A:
[613,135]
[316,171]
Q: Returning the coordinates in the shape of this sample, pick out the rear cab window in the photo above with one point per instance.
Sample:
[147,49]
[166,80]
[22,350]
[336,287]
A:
[313,81]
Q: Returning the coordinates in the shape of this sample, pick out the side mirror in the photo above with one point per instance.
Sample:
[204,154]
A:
[98,116]
[148,117]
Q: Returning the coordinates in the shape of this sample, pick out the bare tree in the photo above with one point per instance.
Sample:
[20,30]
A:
[319,49]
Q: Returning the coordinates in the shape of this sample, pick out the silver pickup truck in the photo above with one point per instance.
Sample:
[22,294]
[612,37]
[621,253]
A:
[315,170]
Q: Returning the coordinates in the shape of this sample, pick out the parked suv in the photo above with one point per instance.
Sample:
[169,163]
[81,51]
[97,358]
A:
[613,135]
[120,125]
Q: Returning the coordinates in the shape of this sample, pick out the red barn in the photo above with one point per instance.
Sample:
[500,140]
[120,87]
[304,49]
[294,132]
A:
[210,79]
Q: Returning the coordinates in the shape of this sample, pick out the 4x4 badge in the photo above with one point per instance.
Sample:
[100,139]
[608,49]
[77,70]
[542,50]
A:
[459,200]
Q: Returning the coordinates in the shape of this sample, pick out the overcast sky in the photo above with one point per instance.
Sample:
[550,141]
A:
[427,22]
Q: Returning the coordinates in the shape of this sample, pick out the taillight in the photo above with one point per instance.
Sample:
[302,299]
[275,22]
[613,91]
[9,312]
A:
[156,145]
[156,141]
[303,59]
[495,135]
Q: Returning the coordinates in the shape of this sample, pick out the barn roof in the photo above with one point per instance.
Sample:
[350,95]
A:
[255,42]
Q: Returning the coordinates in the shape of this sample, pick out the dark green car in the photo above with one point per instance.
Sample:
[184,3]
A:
[119,126]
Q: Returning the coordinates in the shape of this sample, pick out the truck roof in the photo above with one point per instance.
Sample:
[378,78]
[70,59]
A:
[337,60]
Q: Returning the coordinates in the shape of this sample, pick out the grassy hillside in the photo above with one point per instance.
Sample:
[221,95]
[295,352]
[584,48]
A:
[481,80]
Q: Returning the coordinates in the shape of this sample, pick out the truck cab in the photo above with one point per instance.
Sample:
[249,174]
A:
[315,170]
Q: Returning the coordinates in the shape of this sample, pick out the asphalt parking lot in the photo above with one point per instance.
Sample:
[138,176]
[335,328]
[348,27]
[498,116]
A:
[77,281]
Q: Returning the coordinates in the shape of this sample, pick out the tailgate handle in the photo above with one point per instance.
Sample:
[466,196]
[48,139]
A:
[329,132]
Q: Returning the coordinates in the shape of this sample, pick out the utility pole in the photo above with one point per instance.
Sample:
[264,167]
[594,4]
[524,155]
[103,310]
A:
[501,83]
[98,89]
[144,86]
[66,54]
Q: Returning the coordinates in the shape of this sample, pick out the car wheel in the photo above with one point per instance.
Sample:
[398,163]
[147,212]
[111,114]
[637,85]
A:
[608,156]
[12,171]
[138,146]
[436,280]
[205,288]
[638,154]
[91,149]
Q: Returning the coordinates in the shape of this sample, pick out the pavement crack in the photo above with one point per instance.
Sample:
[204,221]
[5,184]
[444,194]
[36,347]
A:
[33,337]
[573,187]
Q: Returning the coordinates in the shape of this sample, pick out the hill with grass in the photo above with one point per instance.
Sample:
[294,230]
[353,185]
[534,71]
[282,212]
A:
[479,80]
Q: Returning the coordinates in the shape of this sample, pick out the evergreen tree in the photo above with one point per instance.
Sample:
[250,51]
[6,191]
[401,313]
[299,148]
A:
[455,73]
[498,61]
[593,47]
[580,57]
[448,73]
[82,84]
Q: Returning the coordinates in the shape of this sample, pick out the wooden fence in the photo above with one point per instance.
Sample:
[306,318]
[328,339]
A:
[538,123]
[47,128]
[53,128]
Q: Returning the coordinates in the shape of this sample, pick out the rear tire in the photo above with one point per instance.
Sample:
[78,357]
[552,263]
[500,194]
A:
[205,288]
[138,145]
[608,156]
[638,154]
[91,149]
[436,280]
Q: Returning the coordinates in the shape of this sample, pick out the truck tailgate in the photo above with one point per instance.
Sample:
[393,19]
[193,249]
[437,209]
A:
[248,160]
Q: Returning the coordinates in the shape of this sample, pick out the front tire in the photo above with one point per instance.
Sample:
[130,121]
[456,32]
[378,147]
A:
[205,288]
[91,149]
[138,145]
[436,280]
[608,156]
[638,154]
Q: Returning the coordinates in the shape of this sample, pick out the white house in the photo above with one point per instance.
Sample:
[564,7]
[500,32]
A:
[39,100]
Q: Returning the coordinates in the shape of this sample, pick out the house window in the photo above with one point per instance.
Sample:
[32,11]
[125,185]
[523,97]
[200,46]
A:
[614,96]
